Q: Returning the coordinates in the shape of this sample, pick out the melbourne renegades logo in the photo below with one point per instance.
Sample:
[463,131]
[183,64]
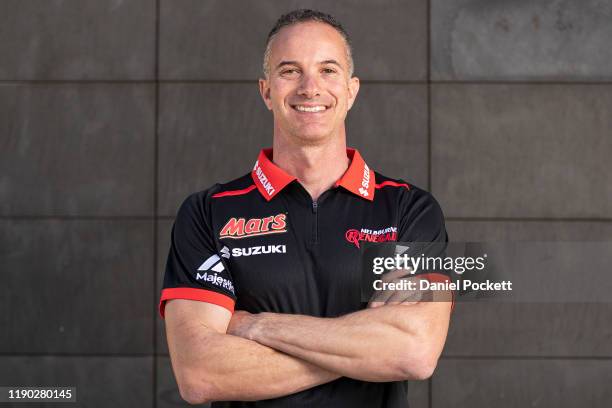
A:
[237,228]
[383,235]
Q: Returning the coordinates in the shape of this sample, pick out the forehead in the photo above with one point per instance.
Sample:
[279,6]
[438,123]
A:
[309,40]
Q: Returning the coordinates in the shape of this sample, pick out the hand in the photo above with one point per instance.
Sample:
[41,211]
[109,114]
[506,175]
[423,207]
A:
[243,324]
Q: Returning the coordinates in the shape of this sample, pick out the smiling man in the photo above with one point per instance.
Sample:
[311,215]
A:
[261,294]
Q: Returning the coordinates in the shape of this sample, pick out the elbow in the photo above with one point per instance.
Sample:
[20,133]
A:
[424,371]
[417,367]
[195,393]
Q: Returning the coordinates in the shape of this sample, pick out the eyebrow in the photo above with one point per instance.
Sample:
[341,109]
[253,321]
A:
[283,63]
[330,61]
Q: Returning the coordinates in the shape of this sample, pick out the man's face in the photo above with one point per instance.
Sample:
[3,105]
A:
[308,88]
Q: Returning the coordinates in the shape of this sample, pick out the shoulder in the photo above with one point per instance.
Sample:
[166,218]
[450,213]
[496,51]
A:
[237,187]
[416,206]
[404,191]
[198,204]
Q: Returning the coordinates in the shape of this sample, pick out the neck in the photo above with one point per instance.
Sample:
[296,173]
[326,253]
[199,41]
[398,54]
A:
[317,167]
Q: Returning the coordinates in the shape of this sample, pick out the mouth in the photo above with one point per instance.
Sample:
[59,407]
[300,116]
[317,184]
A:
[310,108]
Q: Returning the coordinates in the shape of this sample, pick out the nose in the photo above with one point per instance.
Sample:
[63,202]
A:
[309,87]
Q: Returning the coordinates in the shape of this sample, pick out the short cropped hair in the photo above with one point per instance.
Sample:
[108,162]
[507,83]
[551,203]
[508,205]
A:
[302,16]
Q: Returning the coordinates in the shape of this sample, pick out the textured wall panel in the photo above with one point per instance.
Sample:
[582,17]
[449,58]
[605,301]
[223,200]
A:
[76,286]
[530,329]
[77,149]
[534,329]
[388,124]
[226,39]
[522,383]
[74,39]
[522,150]
[208,133]
[521,40]
[493,231]
[101,382]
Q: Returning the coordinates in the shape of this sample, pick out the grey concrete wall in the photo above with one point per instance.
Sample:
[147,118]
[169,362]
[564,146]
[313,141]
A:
[113,111]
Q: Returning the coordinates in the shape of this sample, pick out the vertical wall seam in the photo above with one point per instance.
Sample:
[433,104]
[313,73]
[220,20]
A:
[155,200]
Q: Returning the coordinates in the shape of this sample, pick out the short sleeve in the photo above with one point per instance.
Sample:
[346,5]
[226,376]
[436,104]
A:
[195,268]
[422,226]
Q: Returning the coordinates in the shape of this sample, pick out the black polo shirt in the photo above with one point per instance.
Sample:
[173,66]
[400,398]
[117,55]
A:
[261,244]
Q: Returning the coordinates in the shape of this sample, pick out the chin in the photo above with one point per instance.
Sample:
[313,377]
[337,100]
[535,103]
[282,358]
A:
[312,136]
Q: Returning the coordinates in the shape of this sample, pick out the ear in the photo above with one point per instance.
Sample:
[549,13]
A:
[353,88]
[264,91]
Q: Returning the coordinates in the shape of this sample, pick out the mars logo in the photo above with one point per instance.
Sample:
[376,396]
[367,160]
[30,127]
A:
[383,235]
[237,228]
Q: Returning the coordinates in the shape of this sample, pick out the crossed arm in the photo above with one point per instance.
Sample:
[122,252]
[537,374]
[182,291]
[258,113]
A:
[217,356]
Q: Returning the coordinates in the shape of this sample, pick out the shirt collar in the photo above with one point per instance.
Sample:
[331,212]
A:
[271,179]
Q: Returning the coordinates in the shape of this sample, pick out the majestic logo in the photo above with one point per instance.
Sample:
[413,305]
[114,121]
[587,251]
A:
[216,280]
[259,250]
[214,263]
[383,235]
[211,267]
[265,183]
[365,183]
[236,228]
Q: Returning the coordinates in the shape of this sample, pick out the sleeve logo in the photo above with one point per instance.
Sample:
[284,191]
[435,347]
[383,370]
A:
[214,263]
[213,268]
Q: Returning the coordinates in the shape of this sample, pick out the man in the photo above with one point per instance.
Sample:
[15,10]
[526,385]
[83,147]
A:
[262,288]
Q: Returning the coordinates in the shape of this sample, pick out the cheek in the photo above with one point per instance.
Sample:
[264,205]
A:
[277,92]
[277,99]
[340,92]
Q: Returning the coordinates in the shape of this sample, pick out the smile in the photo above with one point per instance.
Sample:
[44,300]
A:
[310,109]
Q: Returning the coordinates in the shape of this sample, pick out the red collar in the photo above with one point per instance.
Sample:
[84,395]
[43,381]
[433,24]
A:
[270,179]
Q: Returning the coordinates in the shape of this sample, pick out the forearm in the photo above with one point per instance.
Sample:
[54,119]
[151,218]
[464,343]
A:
[379,344]
[225,367]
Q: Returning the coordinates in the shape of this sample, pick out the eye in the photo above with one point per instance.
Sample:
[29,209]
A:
[329,70]
[289,71]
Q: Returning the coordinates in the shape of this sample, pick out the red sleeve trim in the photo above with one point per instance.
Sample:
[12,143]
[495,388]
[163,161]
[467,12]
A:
[392,183]
[234,192]
[440,277]
[202,295]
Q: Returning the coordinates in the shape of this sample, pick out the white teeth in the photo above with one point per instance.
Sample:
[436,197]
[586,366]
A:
[310,109]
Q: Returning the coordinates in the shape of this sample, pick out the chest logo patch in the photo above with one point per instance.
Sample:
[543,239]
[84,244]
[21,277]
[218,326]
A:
[236,228]
[355,236]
